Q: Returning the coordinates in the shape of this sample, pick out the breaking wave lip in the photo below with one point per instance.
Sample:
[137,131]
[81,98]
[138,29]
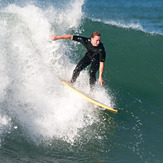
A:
[122,24]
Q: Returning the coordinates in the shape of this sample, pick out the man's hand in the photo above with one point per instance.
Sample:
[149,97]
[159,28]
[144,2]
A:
[101,81]
[53,37]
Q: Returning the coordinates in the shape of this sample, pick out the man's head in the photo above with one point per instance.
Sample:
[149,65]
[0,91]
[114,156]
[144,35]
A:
[95,38]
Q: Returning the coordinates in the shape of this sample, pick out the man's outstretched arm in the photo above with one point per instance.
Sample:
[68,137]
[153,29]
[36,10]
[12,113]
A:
[54,37]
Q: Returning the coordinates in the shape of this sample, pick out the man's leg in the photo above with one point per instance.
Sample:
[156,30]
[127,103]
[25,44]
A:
[84,62]
[93,69]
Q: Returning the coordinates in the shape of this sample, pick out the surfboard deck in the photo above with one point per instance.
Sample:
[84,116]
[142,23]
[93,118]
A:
[87,97]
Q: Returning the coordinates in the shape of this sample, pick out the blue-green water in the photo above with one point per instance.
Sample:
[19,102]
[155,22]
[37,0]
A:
[42,121]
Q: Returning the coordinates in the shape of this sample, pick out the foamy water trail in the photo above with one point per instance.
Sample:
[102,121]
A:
[30,64]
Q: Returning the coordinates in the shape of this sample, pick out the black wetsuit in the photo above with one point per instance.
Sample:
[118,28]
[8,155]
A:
[93,56]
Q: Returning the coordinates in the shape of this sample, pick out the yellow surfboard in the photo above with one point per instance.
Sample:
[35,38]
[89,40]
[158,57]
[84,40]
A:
[88,98]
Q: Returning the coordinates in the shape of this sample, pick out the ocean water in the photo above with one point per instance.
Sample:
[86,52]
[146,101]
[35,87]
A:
[42,121]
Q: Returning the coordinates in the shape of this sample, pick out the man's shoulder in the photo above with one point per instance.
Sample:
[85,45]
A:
[101,46]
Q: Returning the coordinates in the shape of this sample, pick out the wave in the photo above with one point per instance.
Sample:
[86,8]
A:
[36,106]
[122,24]
[133,57]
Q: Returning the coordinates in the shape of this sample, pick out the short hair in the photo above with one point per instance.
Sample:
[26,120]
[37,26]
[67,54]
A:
[97,33]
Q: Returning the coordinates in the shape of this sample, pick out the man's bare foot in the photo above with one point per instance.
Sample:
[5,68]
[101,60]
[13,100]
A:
[69,81]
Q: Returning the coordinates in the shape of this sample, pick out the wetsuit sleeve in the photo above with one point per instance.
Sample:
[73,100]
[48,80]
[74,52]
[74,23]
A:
[102,55]
[80,39]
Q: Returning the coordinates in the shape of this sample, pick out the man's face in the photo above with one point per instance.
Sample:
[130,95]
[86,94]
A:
[95,40]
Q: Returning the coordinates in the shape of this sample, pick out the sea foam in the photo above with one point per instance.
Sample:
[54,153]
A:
[30,67]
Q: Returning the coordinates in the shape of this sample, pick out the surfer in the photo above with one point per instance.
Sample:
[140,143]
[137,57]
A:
[95,56]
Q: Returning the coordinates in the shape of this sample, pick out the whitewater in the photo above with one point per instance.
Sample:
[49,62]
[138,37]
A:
[32,98]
